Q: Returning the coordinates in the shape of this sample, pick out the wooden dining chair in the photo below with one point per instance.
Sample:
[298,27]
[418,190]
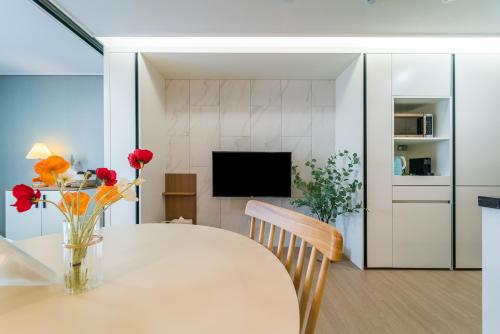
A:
[322,238]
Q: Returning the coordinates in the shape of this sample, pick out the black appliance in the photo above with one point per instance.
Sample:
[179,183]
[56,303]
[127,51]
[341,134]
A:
[247,174]
[413,124]
[420,166]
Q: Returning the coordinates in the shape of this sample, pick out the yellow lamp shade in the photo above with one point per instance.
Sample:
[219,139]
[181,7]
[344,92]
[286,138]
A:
[39,151]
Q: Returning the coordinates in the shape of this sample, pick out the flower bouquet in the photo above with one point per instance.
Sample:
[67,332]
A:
[82,242]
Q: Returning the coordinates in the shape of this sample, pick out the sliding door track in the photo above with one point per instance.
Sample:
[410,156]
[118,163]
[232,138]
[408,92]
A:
[60,16]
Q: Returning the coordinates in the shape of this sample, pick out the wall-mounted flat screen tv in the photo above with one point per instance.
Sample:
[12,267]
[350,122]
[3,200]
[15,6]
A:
[247,174]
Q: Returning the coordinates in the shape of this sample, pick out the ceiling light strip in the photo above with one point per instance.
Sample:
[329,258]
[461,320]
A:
[399,44]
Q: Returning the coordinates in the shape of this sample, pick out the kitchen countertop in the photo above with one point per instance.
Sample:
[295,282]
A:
[489,202]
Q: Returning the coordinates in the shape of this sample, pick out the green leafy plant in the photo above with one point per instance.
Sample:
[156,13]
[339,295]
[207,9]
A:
[333,188]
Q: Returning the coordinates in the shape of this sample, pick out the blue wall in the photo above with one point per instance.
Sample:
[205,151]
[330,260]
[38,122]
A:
[65,112]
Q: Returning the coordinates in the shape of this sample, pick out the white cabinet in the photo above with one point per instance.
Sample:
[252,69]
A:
[51,216]
[409,217]
[477,104]
[379,160]
[477,163]
[421,75]
[22,225]
[422,235]
[39,220]
[421,193]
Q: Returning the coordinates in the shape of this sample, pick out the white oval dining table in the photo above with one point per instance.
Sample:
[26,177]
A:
[160,278]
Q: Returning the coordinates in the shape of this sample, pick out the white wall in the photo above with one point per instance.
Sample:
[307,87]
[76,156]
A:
[349,135]
[57,103]
[247,115]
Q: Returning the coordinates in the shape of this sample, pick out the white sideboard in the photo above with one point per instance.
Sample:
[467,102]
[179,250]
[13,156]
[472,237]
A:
[40,220]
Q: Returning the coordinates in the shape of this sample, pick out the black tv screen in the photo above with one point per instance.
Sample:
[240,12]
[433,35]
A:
[246,174]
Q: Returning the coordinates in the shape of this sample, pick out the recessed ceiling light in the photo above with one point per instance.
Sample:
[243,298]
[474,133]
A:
[368,2]
[448,1]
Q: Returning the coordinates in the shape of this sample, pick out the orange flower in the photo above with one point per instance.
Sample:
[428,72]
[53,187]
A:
[49,168]
[106,195]
[78,203]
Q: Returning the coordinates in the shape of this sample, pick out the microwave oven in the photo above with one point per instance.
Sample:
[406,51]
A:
[413,125]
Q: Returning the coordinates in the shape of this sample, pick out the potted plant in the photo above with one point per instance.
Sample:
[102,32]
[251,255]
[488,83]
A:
[333,188]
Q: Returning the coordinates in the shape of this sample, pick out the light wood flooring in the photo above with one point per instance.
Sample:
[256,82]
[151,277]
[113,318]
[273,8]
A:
[400,301]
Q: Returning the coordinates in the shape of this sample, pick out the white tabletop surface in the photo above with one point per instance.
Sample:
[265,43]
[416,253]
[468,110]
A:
[161,278]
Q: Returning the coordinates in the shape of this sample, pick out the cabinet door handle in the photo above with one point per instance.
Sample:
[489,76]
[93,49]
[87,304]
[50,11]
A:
[422,201]
[44,204]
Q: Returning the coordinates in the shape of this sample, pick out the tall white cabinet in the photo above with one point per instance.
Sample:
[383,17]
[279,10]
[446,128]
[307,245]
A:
[379,160]
[477,91]
[409,219]
[120,126]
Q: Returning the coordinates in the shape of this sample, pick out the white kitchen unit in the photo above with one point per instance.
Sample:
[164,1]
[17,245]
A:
[468,224]
[422,235]
[477,115]
[409,220]
[41,219]
[490,207]
[421,75]
[421,226]
[379,157]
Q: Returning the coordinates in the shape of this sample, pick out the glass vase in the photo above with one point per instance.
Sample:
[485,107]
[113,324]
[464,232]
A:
[82,254]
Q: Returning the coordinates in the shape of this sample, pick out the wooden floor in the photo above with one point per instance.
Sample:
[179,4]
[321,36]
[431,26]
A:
[400,301]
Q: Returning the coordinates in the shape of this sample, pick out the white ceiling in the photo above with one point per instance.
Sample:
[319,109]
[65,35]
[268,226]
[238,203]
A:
[34,43]
[250,66]
[284,17]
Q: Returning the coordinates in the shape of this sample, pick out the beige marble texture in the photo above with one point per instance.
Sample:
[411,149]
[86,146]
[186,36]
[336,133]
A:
[295,116]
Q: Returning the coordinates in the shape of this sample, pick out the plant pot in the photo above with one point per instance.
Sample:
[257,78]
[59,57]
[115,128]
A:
[82,254]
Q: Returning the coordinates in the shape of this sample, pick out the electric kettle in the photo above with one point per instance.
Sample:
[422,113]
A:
[399,165]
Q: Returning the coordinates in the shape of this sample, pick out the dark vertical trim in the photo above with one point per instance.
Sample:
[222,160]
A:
[453,167]
[365,162]
[136,93]
[65,20]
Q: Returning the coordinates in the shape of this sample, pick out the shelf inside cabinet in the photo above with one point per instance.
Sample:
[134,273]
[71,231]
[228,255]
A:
[409,140]
[179,194]
[401,140]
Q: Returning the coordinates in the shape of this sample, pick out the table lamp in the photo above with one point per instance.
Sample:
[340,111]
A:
[39,151]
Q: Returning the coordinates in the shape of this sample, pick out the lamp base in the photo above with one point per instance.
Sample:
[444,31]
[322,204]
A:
[38,185]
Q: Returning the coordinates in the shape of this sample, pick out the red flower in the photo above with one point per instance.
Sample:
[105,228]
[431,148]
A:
[108,176]
[139,157]
[25,196]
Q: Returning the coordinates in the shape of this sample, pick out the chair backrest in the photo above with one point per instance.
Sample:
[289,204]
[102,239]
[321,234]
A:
[322,238]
